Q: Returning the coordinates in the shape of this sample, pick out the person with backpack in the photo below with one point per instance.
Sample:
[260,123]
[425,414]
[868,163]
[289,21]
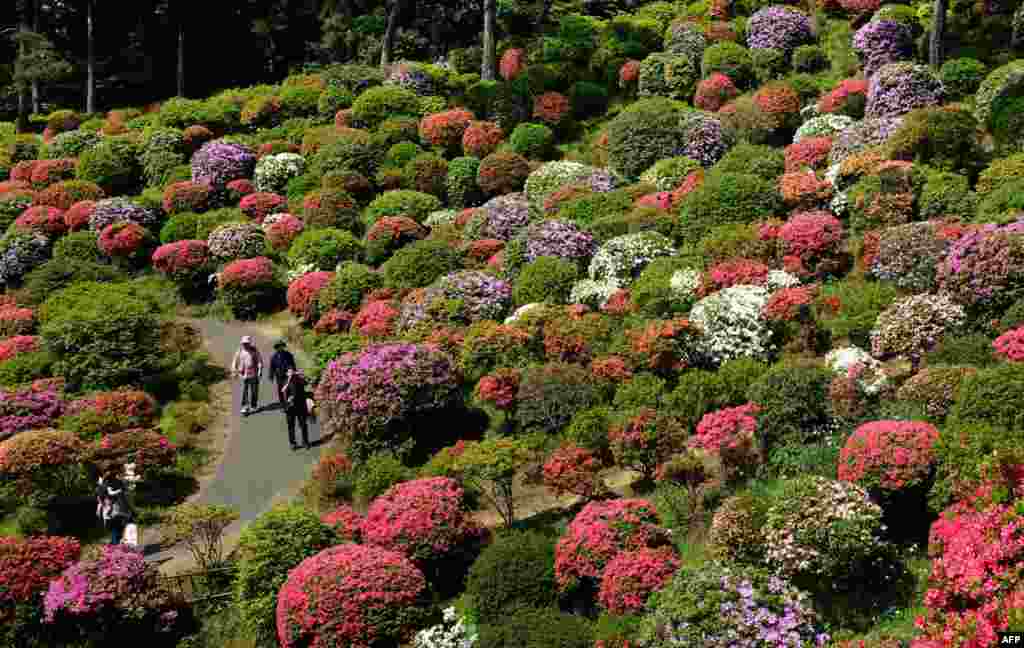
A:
[295,407]
[248,364]
[115,509]
[280,363]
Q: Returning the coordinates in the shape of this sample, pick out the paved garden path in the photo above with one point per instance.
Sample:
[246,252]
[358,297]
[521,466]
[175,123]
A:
[257,468]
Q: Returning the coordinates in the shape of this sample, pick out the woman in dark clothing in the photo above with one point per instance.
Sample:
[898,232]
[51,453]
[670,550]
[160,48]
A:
[114,507]
[280,363]
[295,407]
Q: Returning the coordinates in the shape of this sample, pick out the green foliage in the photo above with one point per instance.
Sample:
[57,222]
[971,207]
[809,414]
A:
[332,100]
[537,628]
[810,59]
[550,394]
[590,208]
[299,101]
[589,429]
[533,141]
[377,474]
[753,159]
[515,571]
[350,150]
[642,390]
[961,76]
[946,194]
[793,402]
[769,64]
[460,183]
[201,527]
[963,451]
[62,272]
[1002,205]
[860,304]
[547,279]
[112,165]
[668,75]
[991,396]
[26,367]
[77,245]
[377,104]
[411,204]
[944,138]
[324,248]
[427,173]
[730,59]
[726,198]
[419,264]
[271,546]
[352,281]
[648,131]
[972,349]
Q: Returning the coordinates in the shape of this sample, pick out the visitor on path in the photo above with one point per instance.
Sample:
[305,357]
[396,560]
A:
[248,364]
[280,363]
[113,506]
[295,407]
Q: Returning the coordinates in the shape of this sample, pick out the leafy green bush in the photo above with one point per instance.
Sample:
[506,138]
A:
[589,429]
[648,131]
[726,198]
[769,64]
[377,104]
[652,292]
[752,159]
[588,99]
[271,546]
[377,474]
[351,282]
[962,453]
[418,264]
[860,302]
[809,58]
[668,75]
[350,149]
[537,628]
[516,570]
[60,273]
[411,204]
[77,245]
[324,248]
[26,367]
[547,279]
[102,338]
[730,59]
[945,138]
[460,183]
[426,173]
[991,396]
[1002,205]
[112,165]
[961,76]
[533,141]
[332,100]
[550,394]
[793,401]
[946,194]
[642,390]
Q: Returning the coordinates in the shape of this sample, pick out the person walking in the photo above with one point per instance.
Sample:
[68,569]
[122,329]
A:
[248,364]
[116,510]
[280,363]
[295,407]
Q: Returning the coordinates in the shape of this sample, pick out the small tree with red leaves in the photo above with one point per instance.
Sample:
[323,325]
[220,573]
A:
[644,440]
[572,470]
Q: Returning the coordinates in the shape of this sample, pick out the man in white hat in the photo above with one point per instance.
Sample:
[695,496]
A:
[248,364]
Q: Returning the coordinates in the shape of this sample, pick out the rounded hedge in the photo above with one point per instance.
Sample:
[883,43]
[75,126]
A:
[514,571]
[546,279]
[411,204]
[419,264]
[324,248]
[648,131]
[726,198]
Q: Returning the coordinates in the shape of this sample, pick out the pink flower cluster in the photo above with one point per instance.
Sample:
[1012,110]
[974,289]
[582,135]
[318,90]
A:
[285,229]
[499,388]
[888,455]
[345,521]
[726,429]
[714,92]
[376,319]
[259,205]
[247,273]
[1010,345]
[513,61]
[28,565]
[303,291]
[182,259]
[738,272]
[630,577]
[17,345]
[122,239]
[809,152]
[661,200]
[44,220]
[15,320]
[811,234]
[572,470]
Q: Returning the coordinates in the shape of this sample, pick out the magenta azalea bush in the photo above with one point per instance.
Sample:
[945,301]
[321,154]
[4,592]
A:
[881,42]
[985,266]
[501,217]
[29,409]
[119,210]
[559,238]
[480,295]
[218,162]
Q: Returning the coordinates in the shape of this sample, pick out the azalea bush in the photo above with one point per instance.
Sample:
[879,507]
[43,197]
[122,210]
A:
[250,287]
[44,464]
[632,576]
[218,162]
[889,455]
[28,566]
[645,440]
[912,326]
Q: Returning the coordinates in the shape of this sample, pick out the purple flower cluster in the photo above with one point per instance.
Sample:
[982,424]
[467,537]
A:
[218,162]
[120,579]
[861,135]
[559,238]
[121,210]
[881,42]
[483,296]
[504,216]
[779,27]
[411,77]
[719,606]
[29,409]
[20,254]
[984,265]
[601,181]
[237,241]
[707,140]
[361,392]
[898,88]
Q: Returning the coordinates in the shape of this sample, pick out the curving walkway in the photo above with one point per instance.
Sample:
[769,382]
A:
[257,468]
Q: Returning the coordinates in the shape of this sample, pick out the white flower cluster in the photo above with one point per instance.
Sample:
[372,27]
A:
[593,293]
[779,279]
[913,325]
[300,270]
[872,380]
[441,217]
[274,171]
[732,324]
[823,126]
[551,176]
[273,218]
[622,258]
[451,633]
[522,310]
[683,285]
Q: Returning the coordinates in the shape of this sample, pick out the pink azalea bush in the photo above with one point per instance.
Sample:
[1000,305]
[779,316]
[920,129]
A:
[731,434]
[16,320]
[350,595]
[1010,345]
[573,470]
[889,455]
[13,346]
[282,229]
[259,205]
[183,260]
[302,293]
[630,577]
[29,409]
[345,521]
[125,240]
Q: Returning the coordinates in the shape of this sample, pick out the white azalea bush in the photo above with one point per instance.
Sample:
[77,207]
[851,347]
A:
[732,324]
[274,171]
[622,258]
[779,279]
[911,326]
[452,632]
[593,293]
[823,126]
[522,310]
[441,217]
[872,380]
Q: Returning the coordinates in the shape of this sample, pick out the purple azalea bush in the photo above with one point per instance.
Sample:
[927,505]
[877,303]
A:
[411,77]
[482,296]
[502,217]
[29,409]
[121,210]
[985,265]
[707,139]
[779,27]
[559,238]
[218,162]
[861,135]
[20,254]
[237,241]
[881,42]
[898,88]
[724,606]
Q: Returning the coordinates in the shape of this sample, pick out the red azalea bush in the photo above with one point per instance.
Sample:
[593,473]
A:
[124,239]
[150,451]
[15,320]
[646,440]
[577,337]
[350,595]
[1009,345]
[344,118]
[183,260]
[12,186]
[27,565]
[502,172]
[620,303]
[424,519]
[573,470]
[22,171]
[600,532]
[691,182]
[811,236]
[259,205]
[481,250]
[240,188]
[804,189]
[662,345]
[47,172]
[481,138]
[77,216]
[630,577]
[714,92]
[247,273]
[285,229]
[661,200]
[975,585]
[334,321]
[63,195]
[847,98]
[42,463]
[888,455]
[736,272]
[789,304]
[553,108]
[13,346]
[391,233]
[779,102]
[810,152]
[445,129]
[186,196]
[499,388]
[345,521]
[124,408]
[302,293]
[376,319]
[513,61]
[44,220]
[611,368]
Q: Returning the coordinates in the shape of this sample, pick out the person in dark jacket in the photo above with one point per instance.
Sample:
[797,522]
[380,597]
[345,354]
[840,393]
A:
[295,407]
[115,509]
[280,363]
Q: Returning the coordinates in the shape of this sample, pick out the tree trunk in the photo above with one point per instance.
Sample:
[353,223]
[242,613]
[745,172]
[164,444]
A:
[181,54]
[490,54]
[436,40]
[938,33]
[389,34]
[23,99]
[90,61]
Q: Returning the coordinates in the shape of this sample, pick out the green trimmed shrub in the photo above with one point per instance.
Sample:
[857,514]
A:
[793,402]
[991,396]
[769,64]
[652,292]
[426,173]
[537,628]
[270,547]
[550,394]
[332,100]
[642,390]
[419,264]
[25,368]
[668,75]
[730,59]
[945,138]
[411,204]
[963,453]
[946,194]
[350,150]
[379,103]
[809,59]
[696,393]
[401,154]
[516,570]
[299,101]
[324,248]
[112,165]
[648,131]
[352,281]
[588,99]
[397,129]
[533,141]
[461,185]
[60,273]
[547,279]
[753,159]
[1002,205]
[80,246]
[589,429]
[999,173]
[961,77]
[377,474]
[726,198]
[860,304]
